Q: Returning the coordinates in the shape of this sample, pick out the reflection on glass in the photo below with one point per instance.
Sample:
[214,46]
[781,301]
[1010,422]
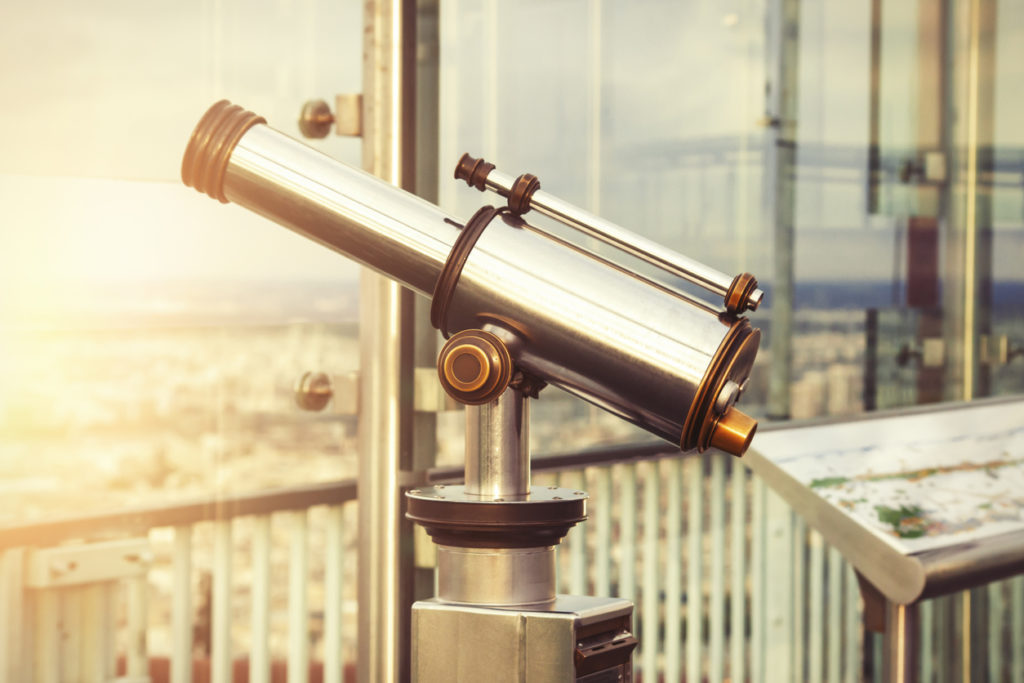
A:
[674,140]
[149,338]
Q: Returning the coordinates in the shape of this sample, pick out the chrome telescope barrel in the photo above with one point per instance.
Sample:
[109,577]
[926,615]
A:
[650,357]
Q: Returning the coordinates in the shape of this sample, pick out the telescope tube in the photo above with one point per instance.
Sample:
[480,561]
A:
[639,352]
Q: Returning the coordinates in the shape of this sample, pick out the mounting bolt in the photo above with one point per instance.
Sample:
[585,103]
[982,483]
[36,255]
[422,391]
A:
[313,391]
[316,119]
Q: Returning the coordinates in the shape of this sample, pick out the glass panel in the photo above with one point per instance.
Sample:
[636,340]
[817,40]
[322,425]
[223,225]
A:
[666,141]
[907,204]
[1006,180]
[150,337]
[114,88]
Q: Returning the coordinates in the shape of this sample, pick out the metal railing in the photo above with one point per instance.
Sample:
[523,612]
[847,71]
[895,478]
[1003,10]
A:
[729,585]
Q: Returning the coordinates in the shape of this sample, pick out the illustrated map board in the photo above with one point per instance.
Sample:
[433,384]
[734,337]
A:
[921,502]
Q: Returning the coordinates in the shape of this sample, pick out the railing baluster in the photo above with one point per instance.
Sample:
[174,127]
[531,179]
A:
[941,657]
[878,656]
[926,611]
[694,472]
[96,627]
[12,620]
[563,556]
[835,614]
[1017,627]
[71,633]
[852,656]
[578,544]
[799,589]
[298,601]
[221,664]
[627,532]
[759,531]
[333,579]
[738,587]
[137,657]
[716,612]
[259,641]
[649,644]
[603,531]
[673,570]
[817,608]
[779,600]
[47,636]
[996,617]
[181,606]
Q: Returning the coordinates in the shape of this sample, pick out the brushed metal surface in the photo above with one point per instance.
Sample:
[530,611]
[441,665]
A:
[496,576]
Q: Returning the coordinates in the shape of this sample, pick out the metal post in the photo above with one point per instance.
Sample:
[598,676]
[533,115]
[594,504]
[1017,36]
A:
[783,108]
[901,632]
[386,343]
[497,447]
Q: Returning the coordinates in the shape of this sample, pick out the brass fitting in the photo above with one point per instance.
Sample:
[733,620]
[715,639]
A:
[474,367]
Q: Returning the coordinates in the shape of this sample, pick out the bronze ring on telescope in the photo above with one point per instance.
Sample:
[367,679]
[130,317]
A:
[449,277]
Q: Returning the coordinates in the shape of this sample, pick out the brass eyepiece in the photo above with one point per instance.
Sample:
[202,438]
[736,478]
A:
[733,432]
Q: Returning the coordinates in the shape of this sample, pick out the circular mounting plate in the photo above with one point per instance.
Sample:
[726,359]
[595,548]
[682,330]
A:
[453,517]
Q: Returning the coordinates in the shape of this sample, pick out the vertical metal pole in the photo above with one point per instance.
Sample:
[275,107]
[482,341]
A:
[835,613]
[798,584]
[1017,628]
[738,582]
[578,568]
[778,590]
[603,525]
[927,632]
[816,618]
[673,570]
[758,581]
[424,443]
[716,608]
[783,110]
[298,600]
[853,648]
[650,621]
[12,618]
[693,470]
[996,615]
[498,447]
[47,639]
[333,600]
[627,532]
[386,348]
[594,12]
[181,609]
[71,632]
[259,630]
[901,631]
[220,658]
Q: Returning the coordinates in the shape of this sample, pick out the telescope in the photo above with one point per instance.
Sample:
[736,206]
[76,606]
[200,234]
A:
[521,307]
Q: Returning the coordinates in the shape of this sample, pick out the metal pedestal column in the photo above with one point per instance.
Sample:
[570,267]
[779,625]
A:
[496,616]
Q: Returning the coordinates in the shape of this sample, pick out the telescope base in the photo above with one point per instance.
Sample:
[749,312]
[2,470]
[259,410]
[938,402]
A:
[574,638]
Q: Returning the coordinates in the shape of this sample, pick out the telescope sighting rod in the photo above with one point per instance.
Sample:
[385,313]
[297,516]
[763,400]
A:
[636,245]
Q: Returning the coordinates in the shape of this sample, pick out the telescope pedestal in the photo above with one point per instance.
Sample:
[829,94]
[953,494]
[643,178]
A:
[496,616]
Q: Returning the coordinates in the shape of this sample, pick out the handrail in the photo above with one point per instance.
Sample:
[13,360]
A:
[601,455]
[140,520]
[208,509]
